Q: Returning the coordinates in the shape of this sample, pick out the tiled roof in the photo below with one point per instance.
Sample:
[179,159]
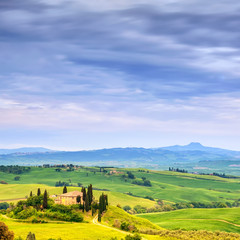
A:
[72,194]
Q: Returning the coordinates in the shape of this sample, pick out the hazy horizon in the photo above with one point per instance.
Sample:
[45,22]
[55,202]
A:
[91,75]
[89,149]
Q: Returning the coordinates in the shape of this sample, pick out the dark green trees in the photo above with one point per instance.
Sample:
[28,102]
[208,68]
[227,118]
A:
[90,194]
[87,197]
[39,192]
[79,199]
[103,203]
[31,236]
[65,189]
[45,200]
[31,194]
[84,193]
[87,204]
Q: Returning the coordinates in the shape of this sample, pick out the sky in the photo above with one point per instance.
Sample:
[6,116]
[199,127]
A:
[96,74]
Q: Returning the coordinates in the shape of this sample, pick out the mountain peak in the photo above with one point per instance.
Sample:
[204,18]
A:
[195,144]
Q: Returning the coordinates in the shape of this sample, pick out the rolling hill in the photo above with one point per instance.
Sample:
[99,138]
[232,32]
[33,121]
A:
[189,156]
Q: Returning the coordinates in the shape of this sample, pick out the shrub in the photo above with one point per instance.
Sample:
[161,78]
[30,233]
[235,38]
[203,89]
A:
[127,208]
[140,209]
[26,213]
[136,236]
[130,175]
[124,226]
[150,198]
[4,205]
[17,178]
[5,233]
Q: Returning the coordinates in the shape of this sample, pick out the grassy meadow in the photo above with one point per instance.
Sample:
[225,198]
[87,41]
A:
[220,219]
[168,186]
[171,187]
[66,231]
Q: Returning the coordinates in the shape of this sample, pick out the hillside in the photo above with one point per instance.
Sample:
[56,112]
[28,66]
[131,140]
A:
[189,157]
[226,219]
[168,186]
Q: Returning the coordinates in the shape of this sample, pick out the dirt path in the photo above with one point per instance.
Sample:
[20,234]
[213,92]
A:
[206,219]
[15,199]
[95,221]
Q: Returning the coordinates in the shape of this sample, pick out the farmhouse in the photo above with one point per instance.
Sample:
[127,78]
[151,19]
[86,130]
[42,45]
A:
[69,198]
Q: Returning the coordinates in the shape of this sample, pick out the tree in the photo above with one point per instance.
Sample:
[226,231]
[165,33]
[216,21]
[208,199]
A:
[5,234]
[39,192]
[4,205]
[130,175]
[87,205]
[100,205]
[65,189]
[99,216]
[83,207]
[106,199]
[31,236]
[17,178]
[90,194]
[31,194]
[79,199]
[45,200]
[127,208]
[84,193]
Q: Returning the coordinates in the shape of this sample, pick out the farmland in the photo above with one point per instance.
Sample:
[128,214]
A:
[198,219]
[168,186]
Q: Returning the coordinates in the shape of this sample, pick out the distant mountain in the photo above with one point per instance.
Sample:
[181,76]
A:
[25,150]
[195,146]
[132,157]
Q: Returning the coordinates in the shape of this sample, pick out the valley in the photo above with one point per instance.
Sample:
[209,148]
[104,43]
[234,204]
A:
[160,202]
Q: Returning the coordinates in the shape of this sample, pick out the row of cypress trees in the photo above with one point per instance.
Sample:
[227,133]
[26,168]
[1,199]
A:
[87,197]
[45,197]
[103,203]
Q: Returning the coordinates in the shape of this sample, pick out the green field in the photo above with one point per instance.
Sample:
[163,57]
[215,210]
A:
[226,219]
[171,187]
[168,186]
[73,231]
[66,231]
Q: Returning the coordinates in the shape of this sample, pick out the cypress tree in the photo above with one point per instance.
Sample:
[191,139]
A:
[31,236]
[93,210]
[100,204]
[84,194]
[99,215]
[79,199]
[103,203]
[39,192]
[83,207]
[90,194]
[87,206]
[65,189]
[45,200]
[31,194]
[106,198]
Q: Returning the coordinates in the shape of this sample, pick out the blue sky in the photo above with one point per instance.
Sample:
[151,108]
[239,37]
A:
[86,75]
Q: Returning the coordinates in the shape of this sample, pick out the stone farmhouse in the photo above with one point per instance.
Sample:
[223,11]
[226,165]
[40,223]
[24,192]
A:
[69,198]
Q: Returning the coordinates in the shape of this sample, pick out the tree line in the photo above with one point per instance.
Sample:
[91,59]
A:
[14,169]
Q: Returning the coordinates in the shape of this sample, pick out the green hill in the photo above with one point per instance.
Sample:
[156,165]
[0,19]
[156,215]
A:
[226,219]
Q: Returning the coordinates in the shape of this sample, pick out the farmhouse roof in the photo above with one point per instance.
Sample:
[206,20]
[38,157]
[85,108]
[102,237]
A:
[72,194]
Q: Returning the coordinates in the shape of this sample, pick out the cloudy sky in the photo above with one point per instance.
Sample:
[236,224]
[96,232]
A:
[146,73]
